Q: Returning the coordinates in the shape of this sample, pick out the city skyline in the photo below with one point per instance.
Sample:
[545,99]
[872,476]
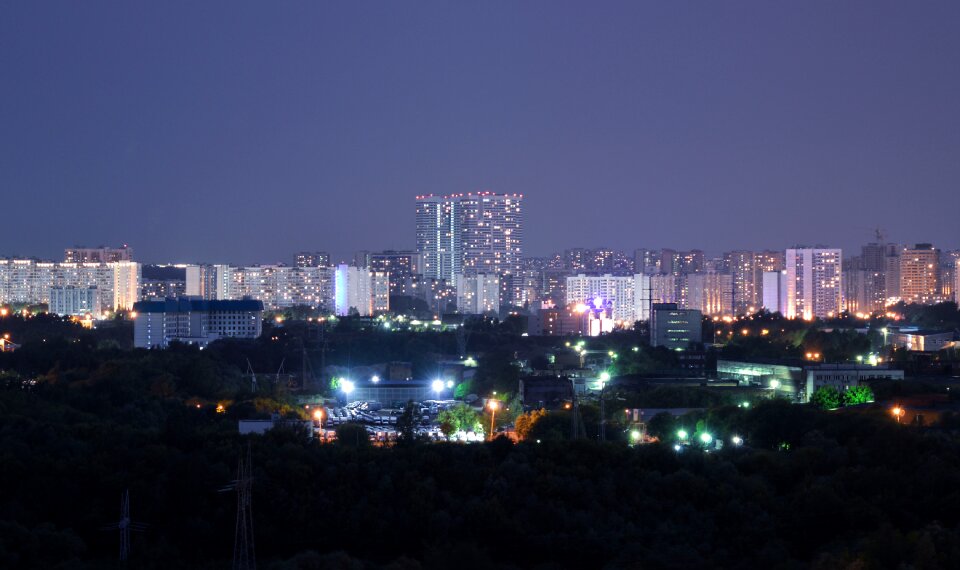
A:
[634,126]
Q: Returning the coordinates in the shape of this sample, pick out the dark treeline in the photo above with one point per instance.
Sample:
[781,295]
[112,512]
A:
[810,488]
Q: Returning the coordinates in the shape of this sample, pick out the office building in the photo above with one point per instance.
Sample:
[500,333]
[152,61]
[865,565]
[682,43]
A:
[920,274]
[675,328]
[195,321]
[814,283]
[100,254]
[73,301]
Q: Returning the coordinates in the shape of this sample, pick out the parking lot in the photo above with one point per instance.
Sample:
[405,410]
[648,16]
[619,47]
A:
[381,421]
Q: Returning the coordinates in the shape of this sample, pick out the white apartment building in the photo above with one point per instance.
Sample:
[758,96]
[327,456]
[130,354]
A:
[74,301]
[601,290]
[814,283]
[478,294]
[775,291]
[30,281]
[472,233]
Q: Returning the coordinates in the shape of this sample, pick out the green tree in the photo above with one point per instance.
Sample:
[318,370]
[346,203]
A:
[460,417]
[826,398]
[525,422]
[407,423]
[855,395]
[352,435]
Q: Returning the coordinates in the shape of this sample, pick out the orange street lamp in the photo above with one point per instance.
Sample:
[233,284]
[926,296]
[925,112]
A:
[493,405]
[898,412]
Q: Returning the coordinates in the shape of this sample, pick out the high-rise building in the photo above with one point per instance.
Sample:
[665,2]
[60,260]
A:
[473,233]
[30,281]
[709,292]
[920,274]
[863,291]
[402,267]
[956,281]
[742,266]
[100,254]
[312,259]
[598,291]
[478,294]
[814,283]
[775,291]
[354,289]
[74,301]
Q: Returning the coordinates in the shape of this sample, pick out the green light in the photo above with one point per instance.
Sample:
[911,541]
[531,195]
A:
[635,435]
[682,434]
[706,438]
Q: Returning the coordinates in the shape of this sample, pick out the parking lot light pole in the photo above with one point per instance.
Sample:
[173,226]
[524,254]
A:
[493,405]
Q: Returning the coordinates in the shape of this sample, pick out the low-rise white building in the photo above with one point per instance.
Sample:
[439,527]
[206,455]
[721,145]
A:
[195,321]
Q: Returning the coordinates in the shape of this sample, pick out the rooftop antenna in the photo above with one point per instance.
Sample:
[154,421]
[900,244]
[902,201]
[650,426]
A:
[125,526]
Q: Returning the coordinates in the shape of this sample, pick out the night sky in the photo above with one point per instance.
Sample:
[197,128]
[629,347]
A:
[243,132]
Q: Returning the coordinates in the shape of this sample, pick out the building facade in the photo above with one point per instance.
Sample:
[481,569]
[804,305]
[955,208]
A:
[814,283]
[473,233]
[195,321]
[73,301]
[29,281]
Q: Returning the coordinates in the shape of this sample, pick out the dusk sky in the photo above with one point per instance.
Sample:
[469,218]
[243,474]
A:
[244,132]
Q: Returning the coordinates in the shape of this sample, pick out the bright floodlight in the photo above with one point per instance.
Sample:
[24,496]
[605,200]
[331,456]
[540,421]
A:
[737,440]
[449,383]
[604,376]
[374,378]
[437,385]
[318,414]
[635,435]
[774,384]
[682,434]
[347,385]
[706,437]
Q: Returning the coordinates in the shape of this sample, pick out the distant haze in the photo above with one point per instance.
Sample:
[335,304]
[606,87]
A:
[246,131]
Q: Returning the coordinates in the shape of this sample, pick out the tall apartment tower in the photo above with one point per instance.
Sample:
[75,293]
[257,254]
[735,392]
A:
[920,274]
[471,234]
[742,266]
[814,283]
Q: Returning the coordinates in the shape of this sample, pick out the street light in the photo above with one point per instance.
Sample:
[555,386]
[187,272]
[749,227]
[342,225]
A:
[737,440]
[898,412]
[437,386]
[374,378]
[493,405]
[347,386]
[682,434]
[706,438]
